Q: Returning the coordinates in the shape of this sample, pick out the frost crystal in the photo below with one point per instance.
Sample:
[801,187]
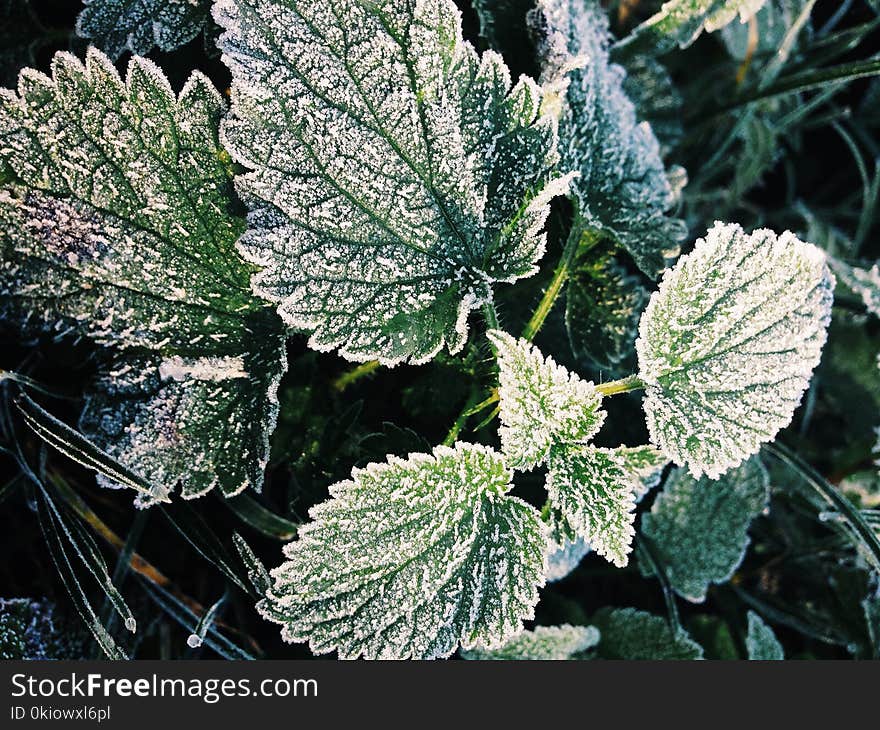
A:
[395,174]
[593,490]
[622,189]
[542,403]
[761,642]
[120,227]
[117,26]
[411,558]
[863,282]
[700,528]
[728,343]
[645,465]
[542,643]
[680,22]
[562,560]
[627,633]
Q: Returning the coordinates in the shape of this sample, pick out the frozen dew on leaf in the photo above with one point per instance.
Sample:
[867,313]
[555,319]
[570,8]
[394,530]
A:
[761,642]
[120,226]
[116,26]
[412,558]
[699,528]
[627,633]
[680,23]
[728,343]
[622,189]
[395,175]
[863,282]
[542,643]
[542,403]
[563,559]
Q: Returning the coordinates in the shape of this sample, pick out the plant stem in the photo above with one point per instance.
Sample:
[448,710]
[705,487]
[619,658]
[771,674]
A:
[579,240]
[350,376]
[625,385]
[490,315]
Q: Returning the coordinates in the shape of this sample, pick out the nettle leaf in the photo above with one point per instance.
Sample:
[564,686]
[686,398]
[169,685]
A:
[622,190]
[563,559]
[116,26]
[541,644]
[542,403]
[865,283]
[680,23]
[627,633]
[396,175]
[119,225]
[728,343]
[656,98]
[593,491]
[699,528]
[602,309]
[761,642]
[411,558]
[645,465]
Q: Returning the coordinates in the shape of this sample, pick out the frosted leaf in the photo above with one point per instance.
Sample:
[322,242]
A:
[657,100]
[120,226]
[411,558]
[396,175]
[774,20]
[594,493]
[680,23]
[116,26]
[622,190]
[863,282]
[563,559]
[543,643]
[699,528]
[761,642]
[645,466]
[542,403]
[627,633]
[728,343]
[602,309]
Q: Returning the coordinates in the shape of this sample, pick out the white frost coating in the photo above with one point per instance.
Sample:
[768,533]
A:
[215,369]
[411,558]
[761,642]
[562,560]
[594,492]
[864,282]
[728,343]
[395,174]
[194,641]
[542,403]
[543,643]
[622,189]
[680,22]
[121,227]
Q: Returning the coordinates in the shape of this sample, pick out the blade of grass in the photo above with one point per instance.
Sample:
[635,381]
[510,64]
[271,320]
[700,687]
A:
[252,513]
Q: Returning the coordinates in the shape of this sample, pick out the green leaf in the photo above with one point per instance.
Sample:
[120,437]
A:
[563,559]
[542,403]
[541,644]
[116,26]
[627,633]
[411,558]
[728,343]
[622,189]
[656,98]
[680,23]
[699,528]
[120,226]
[773,22]
[645,465]
[396,175]
[602,308]
[761,642]
[865,283]
[594,492]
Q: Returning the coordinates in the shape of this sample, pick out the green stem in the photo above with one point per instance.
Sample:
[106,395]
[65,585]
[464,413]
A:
[625,385]
[490,315]
[355,374]
[579,240]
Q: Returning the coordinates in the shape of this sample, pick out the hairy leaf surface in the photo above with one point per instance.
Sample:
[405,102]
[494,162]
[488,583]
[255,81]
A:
[119,225]
[116,26]
[396,175]
[542,403]
[412,558]
[761,642]
[622,190]
[627,633]
[728,343]
[699,528]
[541,644]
